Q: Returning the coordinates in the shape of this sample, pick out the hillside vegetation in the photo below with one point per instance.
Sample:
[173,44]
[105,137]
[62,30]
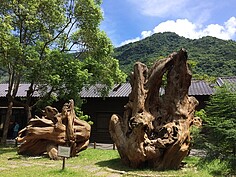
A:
[207,55]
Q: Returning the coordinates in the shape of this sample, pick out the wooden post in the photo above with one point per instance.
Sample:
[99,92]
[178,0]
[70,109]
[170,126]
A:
[94,145]
[114,146]
[63,164]
[16,143]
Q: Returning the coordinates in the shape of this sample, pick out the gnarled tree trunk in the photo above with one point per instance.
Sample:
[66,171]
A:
[155,127]
[46,133]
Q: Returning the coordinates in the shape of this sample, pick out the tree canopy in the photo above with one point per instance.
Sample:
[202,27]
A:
[220,123]
[36,35]
[56,44]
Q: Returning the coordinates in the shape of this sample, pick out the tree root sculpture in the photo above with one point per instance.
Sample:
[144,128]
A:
[47,133]
[155,128]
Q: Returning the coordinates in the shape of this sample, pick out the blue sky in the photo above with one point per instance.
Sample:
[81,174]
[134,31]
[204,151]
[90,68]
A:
[132,20]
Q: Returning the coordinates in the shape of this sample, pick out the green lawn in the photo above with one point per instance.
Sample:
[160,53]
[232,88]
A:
[91,162]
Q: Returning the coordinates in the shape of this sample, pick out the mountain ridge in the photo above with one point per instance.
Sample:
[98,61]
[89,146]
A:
[208,55]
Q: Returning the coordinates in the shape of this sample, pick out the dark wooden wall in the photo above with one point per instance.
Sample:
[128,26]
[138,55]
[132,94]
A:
[100,110]
[202,99]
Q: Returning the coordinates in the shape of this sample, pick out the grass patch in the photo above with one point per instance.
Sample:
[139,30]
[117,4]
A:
[91,162]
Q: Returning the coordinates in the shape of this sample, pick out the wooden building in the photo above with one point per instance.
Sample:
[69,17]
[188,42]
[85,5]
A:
[101,108]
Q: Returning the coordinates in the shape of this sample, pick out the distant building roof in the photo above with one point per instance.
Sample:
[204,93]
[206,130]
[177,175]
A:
[22,91]
[226,80]
[200,87]
[118,90]
[197,87]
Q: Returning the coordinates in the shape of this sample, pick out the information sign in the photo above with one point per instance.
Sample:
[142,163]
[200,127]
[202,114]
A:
[63,151]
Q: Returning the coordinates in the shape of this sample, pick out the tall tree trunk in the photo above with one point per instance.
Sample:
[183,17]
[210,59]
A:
[13,85]
[7,122]
[28,112]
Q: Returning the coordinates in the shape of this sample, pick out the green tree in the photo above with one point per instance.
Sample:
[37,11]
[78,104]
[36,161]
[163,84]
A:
[220,123]
[56,46]
[209,55]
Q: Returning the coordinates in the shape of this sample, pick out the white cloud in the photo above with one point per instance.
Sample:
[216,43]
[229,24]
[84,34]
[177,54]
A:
[231,26]
[145,34]
[199,11]
[185,28]
[158,8]
[130,41]
[182,27]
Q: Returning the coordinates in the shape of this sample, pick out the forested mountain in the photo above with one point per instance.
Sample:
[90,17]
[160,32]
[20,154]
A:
[207,55]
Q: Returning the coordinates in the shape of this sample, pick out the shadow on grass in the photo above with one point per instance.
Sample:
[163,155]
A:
[7,149]
[116,164]
[29,157]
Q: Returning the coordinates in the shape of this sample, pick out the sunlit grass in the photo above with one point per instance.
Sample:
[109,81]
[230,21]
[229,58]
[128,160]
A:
[91,162]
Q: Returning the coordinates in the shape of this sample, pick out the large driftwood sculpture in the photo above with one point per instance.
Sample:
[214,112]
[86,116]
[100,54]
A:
[45,134]
[155,128]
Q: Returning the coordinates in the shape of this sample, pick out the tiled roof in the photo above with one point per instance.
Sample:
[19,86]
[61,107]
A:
[22,91]
[229,81]
[197,87]
[118,90]
[200,87]
[226,80]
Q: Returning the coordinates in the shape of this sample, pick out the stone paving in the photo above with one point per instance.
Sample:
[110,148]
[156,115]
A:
[95,170]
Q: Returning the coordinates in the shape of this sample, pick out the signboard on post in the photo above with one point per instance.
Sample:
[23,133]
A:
[64,152]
